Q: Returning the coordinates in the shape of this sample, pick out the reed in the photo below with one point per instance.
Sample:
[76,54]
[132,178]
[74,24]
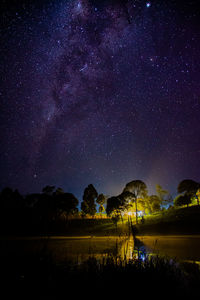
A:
[113,274]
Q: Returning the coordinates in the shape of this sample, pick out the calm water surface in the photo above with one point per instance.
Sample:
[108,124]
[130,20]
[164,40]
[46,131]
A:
[179,247]
[78,249]
[61,249]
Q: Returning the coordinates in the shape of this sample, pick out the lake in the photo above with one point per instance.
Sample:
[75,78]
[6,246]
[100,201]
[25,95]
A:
[61,248]
[77,249]
[180,247]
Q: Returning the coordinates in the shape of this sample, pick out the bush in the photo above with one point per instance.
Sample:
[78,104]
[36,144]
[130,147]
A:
[110,274]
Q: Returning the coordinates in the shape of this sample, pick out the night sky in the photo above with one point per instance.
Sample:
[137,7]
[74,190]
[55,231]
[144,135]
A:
[100,92]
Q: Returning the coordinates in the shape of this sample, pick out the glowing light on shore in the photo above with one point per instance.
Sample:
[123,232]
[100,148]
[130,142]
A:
[130,213]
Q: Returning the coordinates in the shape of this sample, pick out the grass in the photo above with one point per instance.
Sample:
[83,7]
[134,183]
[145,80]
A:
[185,220]
[93,226]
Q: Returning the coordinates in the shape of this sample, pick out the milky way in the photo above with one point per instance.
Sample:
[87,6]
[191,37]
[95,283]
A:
[99,92]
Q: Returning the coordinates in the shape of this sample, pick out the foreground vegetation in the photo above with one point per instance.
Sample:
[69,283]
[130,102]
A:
[40,276]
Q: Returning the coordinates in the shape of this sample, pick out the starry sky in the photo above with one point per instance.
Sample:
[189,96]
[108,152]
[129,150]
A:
[100,92]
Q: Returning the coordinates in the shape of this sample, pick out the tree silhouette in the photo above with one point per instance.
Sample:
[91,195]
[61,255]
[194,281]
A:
[116,205]
[188,186]
[101,200]
[6,197]
[139,190]
[65,203]
[182,200]
[59,191]
[48,189]
[197,196]
[164,195]
[88,205]
[154,202]
[12,206]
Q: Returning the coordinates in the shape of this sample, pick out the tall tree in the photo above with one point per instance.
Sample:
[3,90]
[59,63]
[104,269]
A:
[65,203]
[188,186]
[154,202]
[163,195]
[198,196]
[184,199]
[6,198]
[113,208]
[118,204]
[101,200]
[88,205]
[139,190]
[48,189]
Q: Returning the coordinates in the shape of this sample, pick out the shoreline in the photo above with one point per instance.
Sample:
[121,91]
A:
[77,237]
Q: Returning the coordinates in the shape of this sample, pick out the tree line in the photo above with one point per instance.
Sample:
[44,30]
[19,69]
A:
[35,212]
[134,197]
[189,192]
[53,207]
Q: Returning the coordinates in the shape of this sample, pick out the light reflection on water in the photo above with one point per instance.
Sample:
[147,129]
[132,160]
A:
[180,247]
[133,248]
[78,249]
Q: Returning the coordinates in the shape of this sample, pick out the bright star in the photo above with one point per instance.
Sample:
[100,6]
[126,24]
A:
[148,4]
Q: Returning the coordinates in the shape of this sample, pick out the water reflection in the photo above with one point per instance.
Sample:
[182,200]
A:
[78,249]
[62,249]
[182,248]
[133,248]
